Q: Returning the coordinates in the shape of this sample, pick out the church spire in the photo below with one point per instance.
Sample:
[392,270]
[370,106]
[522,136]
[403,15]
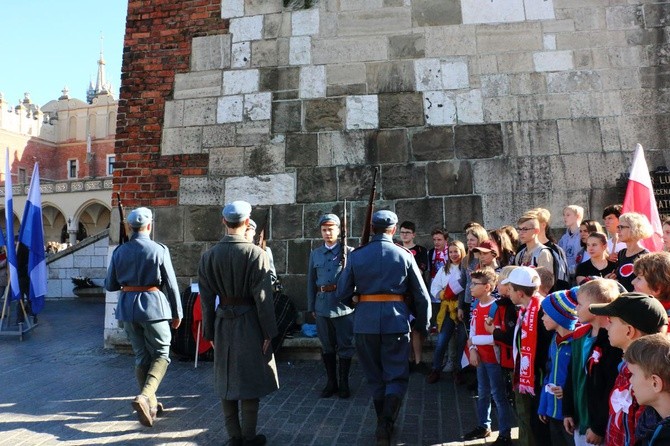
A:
[102,87]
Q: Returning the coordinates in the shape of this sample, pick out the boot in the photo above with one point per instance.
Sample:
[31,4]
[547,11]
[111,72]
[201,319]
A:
[345,365]
[141,375]
[386,421]
[330,361]
[379,407]
[144,402]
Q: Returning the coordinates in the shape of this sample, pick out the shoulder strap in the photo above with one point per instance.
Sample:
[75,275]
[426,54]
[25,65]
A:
[493,309]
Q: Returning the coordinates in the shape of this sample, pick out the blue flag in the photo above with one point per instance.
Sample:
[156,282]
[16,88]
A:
[31,235]
[14,291]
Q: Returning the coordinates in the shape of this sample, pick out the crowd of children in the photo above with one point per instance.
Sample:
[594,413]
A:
[577,329]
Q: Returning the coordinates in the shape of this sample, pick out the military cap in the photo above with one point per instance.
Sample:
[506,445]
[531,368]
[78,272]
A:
[236,211]
[329,219]
[252,224]
[384,219]
[139,217]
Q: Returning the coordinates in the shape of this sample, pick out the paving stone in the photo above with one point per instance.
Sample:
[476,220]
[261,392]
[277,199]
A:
[301,149]
[316,185]
[478,141]
[407,46]
[433,143]
[390,77]
[388,146]
[429,13]
[449,178]
[400,110]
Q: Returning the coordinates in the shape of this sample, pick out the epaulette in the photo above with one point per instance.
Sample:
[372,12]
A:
[581,331]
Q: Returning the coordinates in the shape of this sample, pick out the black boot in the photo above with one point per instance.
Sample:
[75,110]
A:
[330,361]
[345,365]
[386,421]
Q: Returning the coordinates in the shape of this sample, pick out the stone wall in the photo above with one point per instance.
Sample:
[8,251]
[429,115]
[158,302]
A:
[471,109]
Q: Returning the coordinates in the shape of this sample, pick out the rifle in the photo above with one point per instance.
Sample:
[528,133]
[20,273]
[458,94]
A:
[343,237]
[365,238]
[123,234]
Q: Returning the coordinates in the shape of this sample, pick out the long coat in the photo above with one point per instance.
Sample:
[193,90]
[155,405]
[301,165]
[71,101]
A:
[238,273]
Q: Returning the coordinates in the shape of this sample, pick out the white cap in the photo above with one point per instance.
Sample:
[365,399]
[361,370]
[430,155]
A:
[523,276]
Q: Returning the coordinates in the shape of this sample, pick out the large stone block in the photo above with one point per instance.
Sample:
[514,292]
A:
[257,7]
[483,11]
[439,107]
[210,52]
[656,15]
[531,138]
[174,114]
[181,140]
[400,110]
[428,74]
[427,213]
[449,178]
[252,133]
[305,22]
[346,90]
[432,13]
[200,111]
[240,81]
[199,84]
[203,224]
[286,116]
[655,77]
[225,161]
[279,249]
[169,224]
[495,85]
[287,221]
[553,60]
[325,114]
[362,112]
[198,191]
[295,286]
[584,80]
[469,107]
[258,106]
[262,189]
[301,149]
[653,132]
[313,82]
[341,148]
[230,109]
[604,168]
[539,9]
[300,50]
[502,38]
[542,107]
[433,143]
[460,210]
[186,258]
[240,55]
[570,172]
[279,79]
[390,77]
[527,83]
[232,8]
[504,108]
[498,210]
[298,256]
[590,39]
[266,158]
[455,74]
[264,53]
[532,174]
[493,176]
[579,135]
[276,25]
[407,46]
[349,49]
[515,62]
[218,135]
[626,17]
[246,28]
[355,183]
[358,5]
[378,21]
[346,74]
[444,41]
[388,146]
[316,184]
[586,105]
[478,141]
[403,181]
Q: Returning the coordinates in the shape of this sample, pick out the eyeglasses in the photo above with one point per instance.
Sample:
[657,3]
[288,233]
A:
[406,232]
[620,227]
[524,229]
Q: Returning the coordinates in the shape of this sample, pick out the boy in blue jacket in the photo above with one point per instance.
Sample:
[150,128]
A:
[560,316]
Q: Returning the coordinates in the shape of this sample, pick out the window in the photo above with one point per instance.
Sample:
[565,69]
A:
[72,168]
[22,176]
[110,164]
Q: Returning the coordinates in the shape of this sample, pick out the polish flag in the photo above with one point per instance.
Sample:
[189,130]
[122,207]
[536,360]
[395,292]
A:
[640,198]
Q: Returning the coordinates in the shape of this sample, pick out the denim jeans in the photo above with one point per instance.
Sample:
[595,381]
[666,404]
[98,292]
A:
[490,381]
[442,343]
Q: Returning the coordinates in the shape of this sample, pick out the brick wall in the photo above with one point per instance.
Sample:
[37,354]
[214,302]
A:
[157,46]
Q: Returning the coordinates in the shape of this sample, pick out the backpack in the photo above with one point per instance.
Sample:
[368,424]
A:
[561,276]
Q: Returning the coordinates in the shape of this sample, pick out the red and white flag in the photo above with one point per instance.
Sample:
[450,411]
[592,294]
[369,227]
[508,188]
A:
[640,198]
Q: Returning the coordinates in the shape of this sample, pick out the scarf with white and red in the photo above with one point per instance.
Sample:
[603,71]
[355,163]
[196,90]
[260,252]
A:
[525,345]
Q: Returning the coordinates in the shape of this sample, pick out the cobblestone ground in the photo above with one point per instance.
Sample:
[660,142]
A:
[59,386]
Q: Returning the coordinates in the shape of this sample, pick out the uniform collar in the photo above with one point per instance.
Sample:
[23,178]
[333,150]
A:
[235,238]
[383,237]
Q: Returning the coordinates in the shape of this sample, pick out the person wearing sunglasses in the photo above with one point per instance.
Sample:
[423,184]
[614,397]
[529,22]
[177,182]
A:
[631,230]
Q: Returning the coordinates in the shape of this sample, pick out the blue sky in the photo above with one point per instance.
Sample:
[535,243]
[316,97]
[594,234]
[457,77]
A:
[49,44]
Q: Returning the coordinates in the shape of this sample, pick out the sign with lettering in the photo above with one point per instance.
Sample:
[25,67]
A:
[660,180]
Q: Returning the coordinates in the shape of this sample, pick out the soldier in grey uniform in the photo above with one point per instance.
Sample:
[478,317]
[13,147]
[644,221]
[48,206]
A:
[387,278]
[334,319]
[241,326]
[140,268]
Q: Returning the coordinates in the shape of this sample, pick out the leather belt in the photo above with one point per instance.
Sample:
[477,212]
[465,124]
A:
[381,298]
[139,289]
[327,288]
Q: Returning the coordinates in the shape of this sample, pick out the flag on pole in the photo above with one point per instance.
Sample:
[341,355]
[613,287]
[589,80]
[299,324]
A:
[31,235]
[640,198]
[15,291]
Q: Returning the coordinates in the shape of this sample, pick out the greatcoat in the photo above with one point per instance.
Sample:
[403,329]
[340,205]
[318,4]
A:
[238,273]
